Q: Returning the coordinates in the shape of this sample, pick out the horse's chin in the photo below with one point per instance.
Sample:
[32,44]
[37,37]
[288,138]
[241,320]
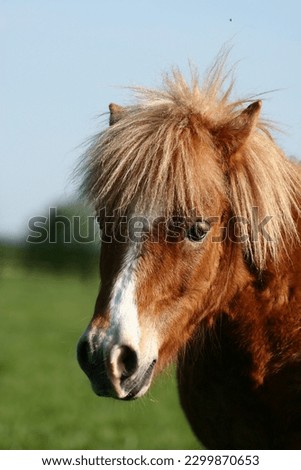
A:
[131,396]
[123,396]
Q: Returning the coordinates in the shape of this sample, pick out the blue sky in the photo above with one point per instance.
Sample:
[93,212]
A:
[64,61]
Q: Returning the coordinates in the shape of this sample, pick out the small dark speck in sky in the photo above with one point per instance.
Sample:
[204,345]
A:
[230,19]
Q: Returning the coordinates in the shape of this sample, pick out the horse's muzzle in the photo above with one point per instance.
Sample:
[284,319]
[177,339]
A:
[114,371]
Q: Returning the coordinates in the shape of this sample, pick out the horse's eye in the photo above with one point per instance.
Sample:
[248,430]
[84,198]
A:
[198,231]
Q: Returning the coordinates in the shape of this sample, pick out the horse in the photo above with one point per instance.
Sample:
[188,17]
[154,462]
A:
[199,211]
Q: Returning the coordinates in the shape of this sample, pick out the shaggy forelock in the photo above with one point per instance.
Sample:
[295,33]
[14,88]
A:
[162,153]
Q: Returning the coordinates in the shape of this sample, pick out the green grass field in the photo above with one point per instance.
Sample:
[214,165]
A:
[45,399]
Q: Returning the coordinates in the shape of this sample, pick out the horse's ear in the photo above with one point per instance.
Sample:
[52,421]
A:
[116,113]
[234,134]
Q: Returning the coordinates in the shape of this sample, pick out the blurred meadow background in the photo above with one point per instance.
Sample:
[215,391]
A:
[62,63]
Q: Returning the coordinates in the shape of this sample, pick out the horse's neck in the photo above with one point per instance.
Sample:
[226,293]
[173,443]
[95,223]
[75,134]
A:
[266,312]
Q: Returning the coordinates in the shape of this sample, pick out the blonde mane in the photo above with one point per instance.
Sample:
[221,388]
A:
[163,153]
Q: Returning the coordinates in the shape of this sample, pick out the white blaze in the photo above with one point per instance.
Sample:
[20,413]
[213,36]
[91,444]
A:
[124,323]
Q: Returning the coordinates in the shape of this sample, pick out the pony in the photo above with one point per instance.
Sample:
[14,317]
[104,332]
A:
[199,211]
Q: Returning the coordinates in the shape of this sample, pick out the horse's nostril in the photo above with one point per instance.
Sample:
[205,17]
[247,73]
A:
[83,352]
[127,361]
